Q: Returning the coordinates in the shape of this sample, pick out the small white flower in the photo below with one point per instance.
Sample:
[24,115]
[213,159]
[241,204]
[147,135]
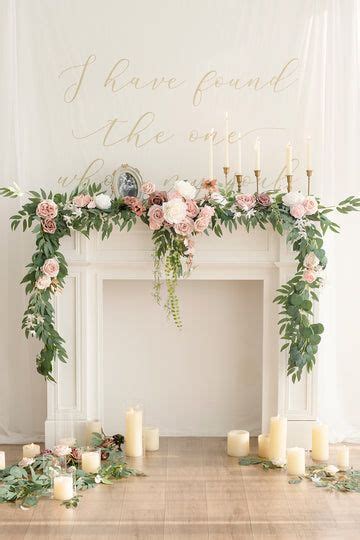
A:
[103,201]
[292,198]
[77,212]
[174,211]
[97,479]
[217,197]
[61,450]
[279,462]
[331,470]
[186,190]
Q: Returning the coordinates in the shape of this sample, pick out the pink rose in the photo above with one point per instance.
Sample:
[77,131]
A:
[264,199]
[135,204]
[156,217]
[48,225]
[309,276]
[310,204]
[148,188]
[192,208]
[158,197]
[50,267]
[43,282]
[297,211]
[246,201]
[174,195]
[81,200]
[207,211]
[185,228]
[47,209]
[201,224]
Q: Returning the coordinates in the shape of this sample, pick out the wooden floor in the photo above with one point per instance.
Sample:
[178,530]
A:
[193,490]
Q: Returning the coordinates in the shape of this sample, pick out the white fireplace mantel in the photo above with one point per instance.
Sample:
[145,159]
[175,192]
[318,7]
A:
[260,255]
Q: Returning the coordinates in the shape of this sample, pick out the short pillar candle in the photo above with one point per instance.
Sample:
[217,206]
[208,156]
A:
[342,458]
[278,432]
[238,443]
[91,461]
[263,446]
[2,460]
[31,450]
[320,442]
[63,487]
[151,439]
[295,461]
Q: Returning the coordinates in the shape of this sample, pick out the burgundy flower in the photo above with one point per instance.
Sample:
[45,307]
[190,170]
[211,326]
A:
[76,454]
[264,199]
[158,197]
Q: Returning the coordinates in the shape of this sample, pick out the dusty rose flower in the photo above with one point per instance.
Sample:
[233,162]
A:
[210,185]
[47,209]
[297,211]
[48,225]
[104,455]
[135,204]
[185,228]
[311,261]
[156,217]
[76,454]
[26,461]
[50,267]
[43,282]
[246,201]
[192,208]
[81,200]
[309,276]
[61,450]
[264,199]
[148,188]
[158,197]
[201,224]
[207,211]
[310,204]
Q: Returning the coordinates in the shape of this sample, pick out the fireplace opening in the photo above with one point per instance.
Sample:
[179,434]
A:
[202,380]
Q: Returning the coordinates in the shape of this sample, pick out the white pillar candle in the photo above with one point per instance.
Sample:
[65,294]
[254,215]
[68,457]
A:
[2,460]
[133,433]
[277,444]
[263,446]
[239,168]
[308,154]
[31,450]
[342,458]
[320,442]
[92,426]
[288,159]
[257,149]
[211,154]
[63,487]
[90,461]
[238,443]
[295,461]
[151,438]
[226,140]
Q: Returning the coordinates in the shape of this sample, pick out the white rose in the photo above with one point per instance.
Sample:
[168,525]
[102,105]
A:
[293,198]
[217,197]
[174,211]
[331,470]
[311,261]
[43,282]
[186,190]
[102,201]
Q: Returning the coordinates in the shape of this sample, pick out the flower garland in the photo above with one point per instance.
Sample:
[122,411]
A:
[175,219]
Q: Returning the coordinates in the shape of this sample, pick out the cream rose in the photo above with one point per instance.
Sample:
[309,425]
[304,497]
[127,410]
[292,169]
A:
[297,211]
[102,201]
[311,261]
[50,267]
[293,198]
[186,190]
[148,188]
[174,211]
[43,282]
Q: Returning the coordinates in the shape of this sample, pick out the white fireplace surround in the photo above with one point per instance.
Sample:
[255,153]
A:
[259,255]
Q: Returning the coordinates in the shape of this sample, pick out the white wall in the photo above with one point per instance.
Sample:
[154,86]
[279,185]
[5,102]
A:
[203,380]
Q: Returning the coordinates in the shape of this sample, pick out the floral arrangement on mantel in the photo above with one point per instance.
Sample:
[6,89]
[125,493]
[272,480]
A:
[175,219]
[31,479]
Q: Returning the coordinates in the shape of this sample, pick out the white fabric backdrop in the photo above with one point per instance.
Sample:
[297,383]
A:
[47,140]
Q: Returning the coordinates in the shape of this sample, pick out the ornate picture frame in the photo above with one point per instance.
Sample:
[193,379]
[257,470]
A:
[127,181]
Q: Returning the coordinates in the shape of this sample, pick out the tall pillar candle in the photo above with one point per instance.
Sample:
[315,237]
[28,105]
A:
[263,446]
[151,439]
[92,426]
[2,460]
[238,443]
[277,444]
[63,487]
[31,450]
[295,461]
[133,433]
[320,442]
[342,458]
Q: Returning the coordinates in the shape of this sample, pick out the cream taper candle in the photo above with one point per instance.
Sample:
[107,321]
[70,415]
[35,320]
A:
[238,443]
[2,460]
[239,167]
[342,458]
[257,149]
[133,433]
[227,162]
[295,461]
[31,450]
[320,442]
[263,446]
[289,159]
[151,438]
[63,487]
[277,444]
[308,154]
[211,154]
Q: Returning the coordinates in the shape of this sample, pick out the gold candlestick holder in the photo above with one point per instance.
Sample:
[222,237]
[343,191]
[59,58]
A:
[257,175]
[289,182]
[226,172]
[308,174]
[239,178]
